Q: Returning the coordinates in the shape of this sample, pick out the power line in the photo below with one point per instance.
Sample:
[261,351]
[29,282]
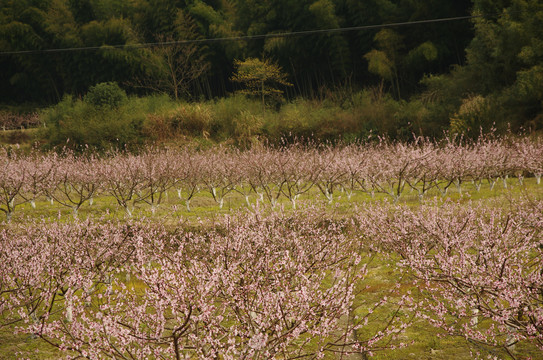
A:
[242,38]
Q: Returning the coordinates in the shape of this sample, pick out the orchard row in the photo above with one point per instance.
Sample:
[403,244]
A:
[269,285]
[264,173]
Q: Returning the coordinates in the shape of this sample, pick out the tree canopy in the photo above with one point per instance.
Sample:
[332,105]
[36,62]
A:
[496,57]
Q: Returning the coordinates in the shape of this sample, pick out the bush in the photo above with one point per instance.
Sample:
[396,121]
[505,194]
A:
[77,124]
[226,112]
[107,94]
[237,119]
[246,128]
[192,119]
[302,119]
[330,121]
[478,115]
[181,119]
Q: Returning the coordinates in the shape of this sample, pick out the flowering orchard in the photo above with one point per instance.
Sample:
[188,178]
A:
[275,282]
[256,286]
[275,285]
[481,266]
[264,174]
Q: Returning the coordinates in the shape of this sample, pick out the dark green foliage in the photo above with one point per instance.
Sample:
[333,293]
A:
[82,10]
[336,58]
[432,72]
[107,94]
[501,85]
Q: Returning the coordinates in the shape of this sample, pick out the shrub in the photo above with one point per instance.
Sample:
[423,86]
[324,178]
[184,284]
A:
[476,115]
[372,112]
[226,110]
[413,118]
[192,119]
[301,119]
[246,127]
[107,94]
[154,104]
[77,124]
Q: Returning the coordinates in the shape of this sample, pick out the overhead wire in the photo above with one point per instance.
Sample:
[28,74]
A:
[241,38]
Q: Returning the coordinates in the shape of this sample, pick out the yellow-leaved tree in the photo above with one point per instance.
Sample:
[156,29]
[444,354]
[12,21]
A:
[260,78]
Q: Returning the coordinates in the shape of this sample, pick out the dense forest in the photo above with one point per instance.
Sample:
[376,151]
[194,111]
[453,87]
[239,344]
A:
[461,75]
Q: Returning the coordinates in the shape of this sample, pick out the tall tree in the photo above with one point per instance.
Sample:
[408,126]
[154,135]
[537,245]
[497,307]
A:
[175,66]
[260,77]
[504,66]
[23,26]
